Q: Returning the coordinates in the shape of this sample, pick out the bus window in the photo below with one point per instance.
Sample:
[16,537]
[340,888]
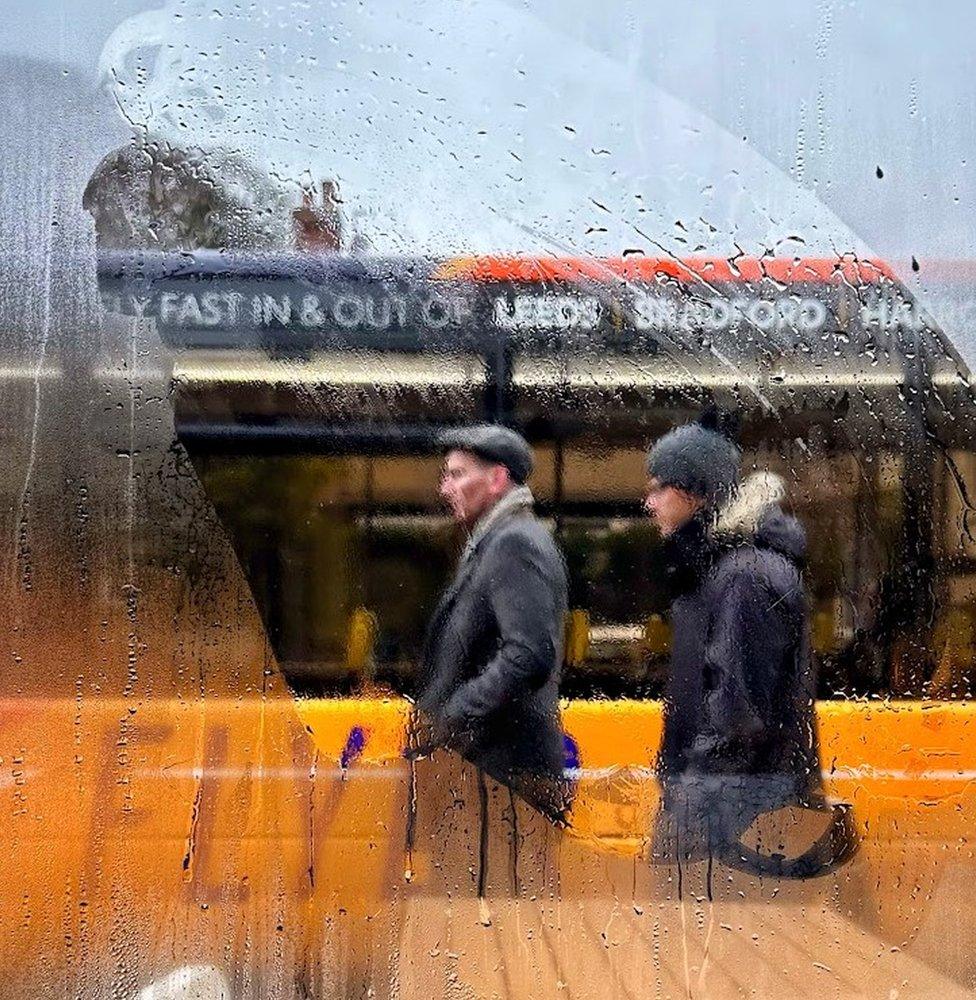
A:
[319,456]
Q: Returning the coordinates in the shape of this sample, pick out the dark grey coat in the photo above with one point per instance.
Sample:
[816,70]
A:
[491,662]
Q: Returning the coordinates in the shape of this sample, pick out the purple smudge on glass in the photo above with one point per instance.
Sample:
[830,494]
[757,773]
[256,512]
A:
[571,757]
[355,744]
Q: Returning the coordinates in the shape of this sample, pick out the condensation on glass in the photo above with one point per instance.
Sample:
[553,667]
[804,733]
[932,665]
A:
[254,260]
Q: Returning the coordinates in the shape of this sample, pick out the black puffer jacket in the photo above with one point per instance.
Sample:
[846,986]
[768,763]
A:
[739,726]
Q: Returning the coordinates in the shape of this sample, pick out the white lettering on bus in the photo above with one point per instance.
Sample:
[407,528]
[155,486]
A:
[547,312]
[348,310]
[654,312]
[893,313]
[378,313]
[232,301]
[276,310]
[139,304]
[189,312]
[436,313]
[311,313]
[812,315]
[168,302]
[521,311]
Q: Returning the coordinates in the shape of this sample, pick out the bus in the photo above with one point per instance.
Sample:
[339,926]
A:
[214,748]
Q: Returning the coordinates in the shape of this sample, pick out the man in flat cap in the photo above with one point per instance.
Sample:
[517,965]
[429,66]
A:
[493,651]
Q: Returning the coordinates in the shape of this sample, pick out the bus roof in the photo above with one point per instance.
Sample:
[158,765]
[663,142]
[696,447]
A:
[149,264]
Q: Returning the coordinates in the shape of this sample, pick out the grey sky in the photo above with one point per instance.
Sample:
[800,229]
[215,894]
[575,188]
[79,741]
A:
[825,93]
[63,30]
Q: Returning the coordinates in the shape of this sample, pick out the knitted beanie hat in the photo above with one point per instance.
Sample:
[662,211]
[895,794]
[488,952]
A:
[700,458]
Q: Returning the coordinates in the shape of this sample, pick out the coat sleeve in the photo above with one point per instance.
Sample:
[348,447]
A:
[523,590]
[743,654]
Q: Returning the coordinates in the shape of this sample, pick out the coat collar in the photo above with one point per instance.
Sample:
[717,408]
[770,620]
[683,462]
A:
[688,556]
[751,516]
[516,500]
[741,516]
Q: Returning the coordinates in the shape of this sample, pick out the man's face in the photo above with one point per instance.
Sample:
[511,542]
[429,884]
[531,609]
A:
[669,507]
[471,486]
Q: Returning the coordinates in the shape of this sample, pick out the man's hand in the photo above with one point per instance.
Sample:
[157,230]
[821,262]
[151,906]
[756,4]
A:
[429,732]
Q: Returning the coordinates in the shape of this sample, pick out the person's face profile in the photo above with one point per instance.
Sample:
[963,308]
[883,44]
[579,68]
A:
[470,486]
[669,507]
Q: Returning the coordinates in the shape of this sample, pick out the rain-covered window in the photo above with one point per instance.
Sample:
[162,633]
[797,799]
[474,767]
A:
[488,499]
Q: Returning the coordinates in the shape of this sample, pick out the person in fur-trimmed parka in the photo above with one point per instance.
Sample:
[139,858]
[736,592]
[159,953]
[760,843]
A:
[740,733]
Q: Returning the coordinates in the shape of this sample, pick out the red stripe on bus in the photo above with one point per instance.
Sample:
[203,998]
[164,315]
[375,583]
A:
[690,269]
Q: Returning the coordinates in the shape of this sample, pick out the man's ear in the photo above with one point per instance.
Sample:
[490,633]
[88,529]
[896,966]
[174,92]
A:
[501,478]
[695,502]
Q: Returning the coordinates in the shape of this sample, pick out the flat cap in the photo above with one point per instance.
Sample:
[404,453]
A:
[493,443]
